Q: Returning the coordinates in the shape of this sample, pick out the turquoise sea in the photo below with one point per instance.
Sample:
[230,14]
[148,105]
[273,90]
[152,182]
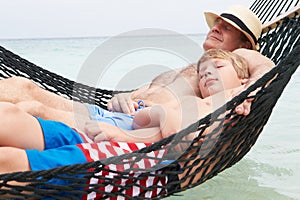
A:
[270,171]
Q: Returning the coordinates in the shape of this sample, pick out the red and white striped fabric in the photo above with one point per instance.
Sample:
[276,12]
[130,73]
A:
[105,149]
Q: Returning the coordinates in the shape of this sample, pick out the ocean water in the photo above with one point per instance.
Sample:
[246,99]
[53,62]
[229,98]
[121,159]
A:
[271,170]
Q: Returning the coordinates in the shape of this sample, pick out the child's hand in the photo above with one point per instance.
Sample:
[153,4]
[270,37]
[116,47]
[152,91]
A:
[98,131]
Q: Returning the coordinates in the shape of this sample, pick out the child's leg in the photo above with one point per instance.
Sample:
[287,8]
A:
[19,129]
[12,160]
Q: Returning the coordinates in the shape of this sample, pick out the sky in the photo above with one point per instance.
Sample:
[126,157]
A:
[92,18]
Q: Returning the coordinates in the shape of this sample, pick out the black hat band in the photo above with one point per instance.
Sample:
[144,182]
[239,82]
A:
[240,24]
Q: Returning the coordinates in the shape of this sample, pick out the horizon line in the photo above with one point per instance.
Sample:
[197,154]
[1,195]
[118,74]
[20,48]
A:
[87,37]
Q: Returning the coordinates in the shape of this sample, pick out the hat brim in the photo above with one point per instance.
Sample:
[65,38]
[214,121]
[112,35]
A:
[211,18]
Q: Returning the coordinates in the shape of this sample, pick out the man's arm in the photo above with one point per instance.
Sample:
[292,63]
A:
[124,102]
[258,64]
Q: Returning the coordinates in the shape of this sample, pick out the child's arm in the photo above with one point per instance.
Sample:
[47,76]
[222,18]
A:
[100,131]
[164,117]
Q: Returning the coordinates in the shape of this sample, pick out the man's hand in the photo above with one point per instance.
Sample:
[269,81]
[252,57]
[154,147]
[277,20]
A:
[245,107]
[122,103]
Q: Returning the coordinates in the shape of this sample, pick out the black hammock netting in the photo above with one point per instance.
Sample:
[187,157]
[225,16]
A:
[223,146]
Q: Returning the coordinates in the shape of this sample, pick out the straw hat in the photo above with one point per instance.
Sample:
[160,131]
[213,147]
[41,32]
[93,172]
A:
[241,18]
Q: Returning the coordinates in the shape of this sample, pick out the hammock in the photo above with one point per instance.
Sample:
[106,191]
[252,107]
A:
[119,176]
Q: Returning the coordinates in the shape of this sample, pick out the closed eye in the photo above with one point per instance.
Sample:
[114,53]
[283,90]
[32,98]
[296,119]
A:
[228,27]
[219,66]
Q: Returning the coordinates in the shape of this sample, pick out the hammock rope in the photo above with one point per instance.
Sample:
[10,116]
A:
[223,146]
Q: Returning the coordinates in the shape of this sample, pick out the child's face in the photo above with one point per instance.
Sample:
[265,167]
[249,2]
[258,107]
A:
[216,75]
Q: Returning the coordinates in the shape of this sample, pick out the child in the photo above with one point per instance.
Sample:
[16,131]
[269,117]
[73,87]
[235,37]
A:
[218,71]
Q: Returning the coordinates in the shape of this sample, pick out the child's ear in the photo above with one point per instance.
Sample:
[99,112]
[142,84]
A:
[244,81]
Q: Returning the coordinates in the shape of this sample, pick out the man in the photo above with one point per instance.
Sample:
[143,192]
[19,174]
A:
[233,30]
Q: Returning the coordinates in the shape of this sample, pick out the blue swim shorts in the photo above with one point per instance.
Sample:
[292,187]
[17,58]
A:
[57,134]
[57,157]
[60,147]
[60,150]
[117,119]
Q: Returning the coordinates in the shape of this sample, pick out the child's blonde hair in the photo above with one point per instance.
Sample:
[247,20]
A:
[239,63]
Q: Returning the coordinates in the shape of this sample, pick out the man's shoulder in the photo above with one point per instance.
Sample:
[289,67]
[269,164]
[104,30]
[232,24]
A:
[254,58]
[189,68]
[249,54]
[189,72]
[243,51]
